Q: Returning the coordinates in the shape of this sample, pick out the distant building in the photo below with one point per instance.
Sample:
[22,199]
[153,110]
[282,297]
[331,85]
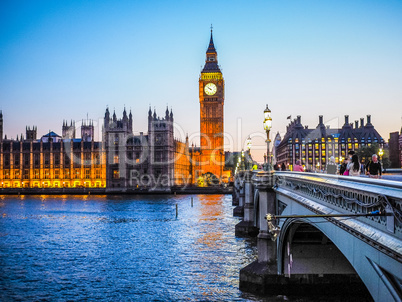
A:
[154,160]
[51,162]
[314,147]
[395,149]
[121,160]
[211,156]
[277,141]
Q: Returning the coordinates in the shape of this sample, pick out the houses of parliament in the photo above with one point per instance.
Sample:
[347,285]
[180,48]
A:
[122,160]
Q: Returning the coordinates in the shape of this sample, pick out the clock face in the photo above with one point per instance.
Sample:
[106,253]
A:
[210,89]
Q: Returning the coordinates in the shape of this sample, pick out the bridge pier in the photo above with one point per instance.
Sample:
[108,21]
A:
[255,276]
[236,192]
[247,227]
[239,210]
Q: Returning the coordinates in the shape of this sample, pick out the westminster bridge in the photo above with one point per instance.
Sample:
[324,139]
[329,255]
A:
[321,234]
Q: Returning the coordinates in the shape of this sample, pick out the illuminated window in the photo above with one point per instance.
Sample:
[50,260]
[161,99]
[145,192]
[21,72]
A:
[97,173]
[116,174]
[67,173]
[356,146]
[36,174]
[349,146]
[57,174]
[46,174]
[87,173]
[116,159]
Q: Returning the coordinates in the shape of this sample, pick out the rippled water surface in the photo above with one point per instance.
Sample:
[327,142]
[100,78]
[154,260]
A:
[124,248]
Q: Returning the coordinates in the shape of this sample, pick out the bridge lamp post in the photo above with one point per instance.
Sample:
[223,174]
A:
[249,145]
[249,149]
[381,153]
[267,128]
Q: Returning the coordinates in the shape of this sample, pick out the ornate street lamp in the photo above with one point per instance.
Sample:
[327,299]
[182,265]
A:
[267,128]
[381,153]
[249,144]
[242,160]
[249,152]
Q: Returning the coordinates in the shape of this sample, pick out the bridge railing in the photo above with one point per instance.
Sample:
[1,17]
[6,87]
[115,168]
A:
[348,194]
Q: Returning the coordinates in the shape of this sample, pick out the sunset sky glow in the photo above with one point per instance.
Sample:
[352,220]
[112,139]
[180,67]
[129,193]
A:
[66,59]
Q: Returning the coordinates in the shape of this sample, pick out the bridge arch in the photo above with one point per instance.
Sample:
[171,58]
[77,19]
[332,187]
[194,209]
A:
[304,248]
[351,225]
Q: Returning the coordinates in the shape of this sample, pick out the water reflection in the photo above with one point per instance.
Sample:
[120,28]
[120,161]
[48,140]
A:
[130,248]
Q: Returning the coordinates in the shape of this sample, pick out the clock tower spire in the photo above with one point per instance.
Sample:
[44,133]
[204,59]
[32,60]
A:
[211,96]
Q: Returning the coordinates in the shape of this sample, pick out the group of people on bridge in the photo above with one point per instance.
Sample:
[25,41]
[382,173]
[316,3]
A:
[351,166]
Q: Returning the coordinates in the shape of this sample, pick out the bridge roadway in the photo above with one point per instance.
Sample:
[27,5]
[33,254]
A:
[359,256]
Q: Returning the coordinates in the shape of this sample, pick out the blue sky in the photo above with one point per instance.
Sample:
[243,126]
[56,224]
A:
[66,59]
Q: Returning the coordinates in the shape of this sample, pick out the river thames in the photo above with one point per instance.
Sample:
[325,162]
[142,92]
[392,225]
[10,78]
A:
[123,248]
[61,248]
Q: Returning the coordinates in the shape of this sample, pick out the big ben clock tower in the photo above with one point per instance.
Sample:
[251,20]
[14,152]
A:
[211,94]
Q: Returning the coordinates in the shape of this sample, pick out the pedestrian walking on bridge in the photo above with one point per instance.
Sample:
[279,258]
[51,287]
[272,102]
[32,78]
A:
[374,167]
